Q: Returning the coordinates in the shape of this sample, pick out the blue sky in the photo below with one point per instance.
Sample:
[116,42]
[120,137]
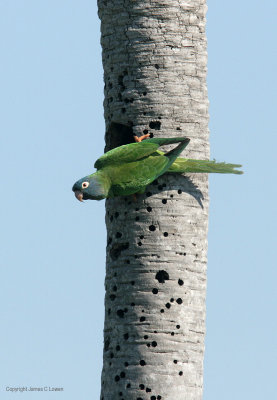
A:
[53,248]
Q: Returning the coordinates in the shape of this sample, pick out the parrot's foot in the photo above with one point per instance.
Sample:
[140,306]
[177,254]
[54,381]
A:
[139,139]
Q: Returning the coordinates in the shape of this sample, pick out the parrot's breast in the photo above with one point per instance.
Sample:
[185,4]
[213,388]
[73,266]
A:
[133,177]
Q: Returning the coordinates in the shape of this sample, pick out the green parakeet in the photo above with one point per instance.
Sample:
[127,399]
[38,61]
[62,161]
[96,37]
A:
[128,169]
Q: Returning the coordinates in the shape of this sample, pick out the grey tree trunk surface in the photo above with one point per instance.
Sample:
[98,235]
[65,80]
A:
[154,57]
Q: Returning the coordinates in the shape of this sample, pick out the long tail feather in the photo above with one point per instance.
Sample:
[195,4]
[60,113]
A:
[182,165]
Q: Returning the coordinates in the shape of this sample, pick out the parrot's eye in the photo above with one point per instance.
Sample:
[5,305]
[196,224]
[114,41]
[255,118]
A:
[85,185]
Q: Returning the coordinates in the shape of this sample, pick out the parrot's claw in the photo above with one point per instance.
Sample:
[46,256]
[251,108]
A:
[139,139]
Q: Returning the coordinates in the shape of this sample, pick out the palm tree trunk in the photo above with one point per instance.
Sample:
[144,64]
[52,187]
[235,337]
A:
[154,57]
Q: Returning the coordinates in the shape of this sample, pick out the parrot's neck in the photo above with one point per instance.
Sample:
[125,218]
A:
[100,182]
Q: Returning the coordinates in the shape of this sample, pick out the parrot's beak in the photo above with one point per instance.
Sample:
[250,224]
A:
[78,195]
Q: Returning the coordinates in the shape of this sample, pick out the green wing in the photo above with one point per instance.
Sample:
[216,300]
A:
[126,153]
[136,151]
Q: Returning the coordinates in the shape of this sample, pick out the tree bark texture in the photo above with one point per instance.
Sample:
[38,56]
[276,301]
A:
[154,57]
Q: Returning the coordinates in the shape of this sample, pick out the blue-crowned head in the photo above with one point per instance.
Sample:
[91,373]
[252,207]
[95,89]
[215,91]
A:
[90,187]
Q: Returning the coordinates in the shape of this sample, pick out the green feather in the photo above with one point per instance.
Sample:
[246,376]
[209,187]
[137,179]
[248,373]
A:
[126,153]
[182,165]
